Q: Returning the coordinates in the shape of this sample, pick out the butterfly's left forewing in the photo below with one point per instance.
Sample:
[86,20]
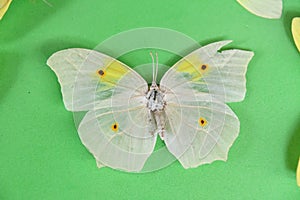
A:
[115,128]
[88,77]
[200,127]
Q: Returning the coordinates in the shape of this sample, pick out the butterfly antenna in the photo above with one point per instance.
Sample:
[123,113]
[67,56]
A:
[153,67]
[156,70]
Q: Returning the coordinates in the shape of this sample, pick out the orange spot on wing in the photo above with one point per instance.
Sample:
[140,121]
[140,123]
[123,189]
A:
[101,73]
[115,127]
[202,121]
[203,67]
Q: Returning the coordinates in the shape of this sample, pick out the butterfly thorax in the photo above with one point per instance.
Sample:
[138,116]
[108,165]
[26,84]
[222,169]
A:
[155,99]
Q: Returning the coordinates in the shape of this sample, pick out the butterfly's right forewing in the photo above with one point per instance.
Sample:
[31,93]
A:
[221,74]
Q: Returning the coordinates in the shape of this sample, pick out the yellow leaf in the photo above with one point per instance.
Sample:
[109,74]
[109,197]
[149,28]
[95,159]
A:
[4,4]
[296,31]
[298,173]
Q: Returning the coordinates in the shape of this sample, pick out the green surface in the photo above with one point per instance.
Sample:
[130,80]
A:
[41,156]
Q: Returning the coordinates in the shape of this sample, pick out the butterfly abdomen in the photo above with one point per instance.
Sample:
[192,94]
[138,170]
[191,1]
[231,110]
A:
[156,105]
[160,120]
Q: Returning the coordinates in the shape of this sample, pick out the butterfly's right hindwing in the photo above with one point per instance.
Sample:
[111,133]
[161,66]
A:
[200,129]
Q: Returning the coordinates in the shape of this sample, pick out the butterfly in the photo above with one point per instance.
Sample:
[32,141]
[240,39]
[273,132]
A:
[296,31]
[4,4]
[186,109]
[271,9]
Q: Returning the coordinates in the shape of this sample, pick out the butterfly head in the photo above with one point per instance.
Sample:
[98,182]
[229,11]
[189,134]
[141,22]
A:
[154,86]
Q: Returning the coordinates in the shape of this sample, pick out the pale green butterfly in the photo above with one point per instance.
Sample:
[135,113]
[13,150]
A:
[271,9]
[124,115]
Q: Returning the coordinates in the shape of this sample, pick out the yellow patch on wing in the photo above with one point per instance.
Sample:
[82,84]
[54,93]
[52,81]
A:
[296,31]
[4,4]
[298,173]
[115,70]
[185,66]
[111,73]
[193,66]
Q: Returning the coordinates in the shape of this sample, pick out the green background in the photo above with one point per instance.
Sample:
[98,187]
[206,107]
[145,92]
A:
[41,156]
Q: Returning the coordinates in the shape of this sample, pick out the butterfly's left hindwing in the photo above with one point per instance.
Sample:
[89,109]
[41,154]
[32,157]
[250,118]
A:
[116,128]
[200,127]
[119,144]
